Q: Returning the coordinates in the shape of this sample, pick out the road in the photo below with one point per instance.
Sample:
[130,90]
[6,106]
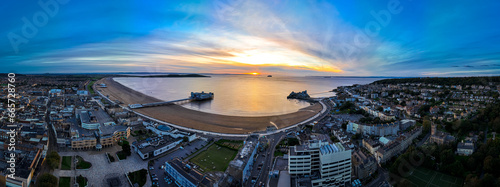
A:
[274,139]
[265,158]
[52,143]
[382,177]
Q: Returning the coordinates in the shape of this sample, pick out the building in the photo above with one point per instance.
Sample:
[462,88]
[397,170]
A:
[392,148]
[440,137]
[363,165]
[26,164]
[321,163]
[152,147]
[186,176]
[240,169]
[55,92]
[465,148]
[82,93]
[374,129]
[371,145]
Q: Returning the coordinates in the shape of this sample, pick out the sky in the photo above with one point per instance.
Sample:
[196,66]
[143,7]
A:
[288,37]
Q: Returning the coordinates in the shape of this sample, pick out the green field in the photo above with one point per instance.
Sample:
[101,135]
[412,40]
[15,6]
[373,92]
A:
[64,182]
[215,158]
[89,87]
[425,177]
[66,162]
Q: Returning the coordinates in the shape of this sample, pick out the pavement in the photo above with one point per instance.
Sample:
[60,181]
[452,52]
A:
[101,169]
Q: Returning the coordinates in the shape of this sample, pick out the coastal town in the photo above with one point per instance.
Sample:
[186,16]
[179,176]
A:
[78,130]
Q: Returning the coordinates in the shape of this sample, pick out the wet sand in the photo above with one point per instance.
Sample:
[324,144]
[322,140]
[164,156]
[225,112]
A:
[181,116]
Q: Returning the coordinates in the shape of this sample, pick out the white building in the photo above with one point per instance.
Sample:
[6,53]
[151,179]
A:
[322,163]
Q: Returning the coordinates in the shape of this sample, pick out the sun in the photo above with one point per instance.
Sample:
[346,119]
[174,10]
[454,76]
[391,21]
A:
[254,73]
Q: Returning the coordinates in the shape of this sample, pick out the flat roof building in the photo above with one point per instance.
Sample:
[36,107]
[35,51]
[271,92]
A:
[186,176]
[322,163]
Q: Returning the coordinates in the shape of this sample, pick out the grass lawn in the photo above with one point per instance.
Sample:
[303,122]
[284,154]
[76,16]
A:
[82,181]
[64,182]
[89,86]
[66,162]
[425,177]
[82,164]
[138,177]
[214,158]
[235,144]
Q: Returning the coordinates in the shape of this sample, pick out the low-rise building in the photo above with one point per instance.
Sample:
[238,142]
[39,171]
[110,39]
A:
[186,176]
[363,165]
[465,148]
[152,147]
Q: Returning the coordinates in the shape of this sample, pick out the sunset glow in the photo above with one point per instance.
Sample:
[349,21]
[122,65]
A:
[237,37]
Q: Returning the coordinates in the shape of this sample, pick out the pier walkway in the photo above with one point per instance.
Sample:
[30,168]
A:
[134,106]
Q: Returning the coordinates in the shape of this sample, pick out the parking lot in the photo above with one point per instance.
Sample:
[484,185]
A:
[180,153]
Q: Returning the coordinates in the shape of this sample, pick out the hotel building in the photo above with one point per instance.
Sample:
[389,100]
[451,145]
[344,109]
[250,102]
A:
[322,163]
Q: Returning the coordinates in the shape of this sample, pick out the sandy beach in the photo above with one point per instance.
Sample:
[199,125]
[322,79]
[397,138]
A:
[181,116]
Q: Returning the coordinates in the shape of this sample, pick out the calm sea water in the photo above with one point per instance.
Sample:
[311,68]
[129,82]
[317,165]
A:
[241,95]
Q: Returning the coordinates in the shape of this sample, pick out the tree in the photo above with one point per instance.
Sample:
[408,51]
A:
[46,180]
[344,125]
[185,139]
[426,125]
[126,148]
[380,108]
[53,160]
[488,164]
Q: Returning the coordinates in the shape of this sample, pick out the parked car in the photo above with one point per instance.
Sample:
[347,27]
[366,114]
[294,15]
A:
[151,168]
[155,179]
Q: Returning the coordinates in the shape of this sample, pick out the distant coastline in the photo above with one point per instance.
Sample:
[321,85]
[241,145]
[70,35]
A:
[169,75]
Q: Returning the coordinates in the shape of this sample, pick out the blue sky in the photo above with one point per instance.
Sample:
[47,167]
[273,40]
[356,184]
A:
[302,37]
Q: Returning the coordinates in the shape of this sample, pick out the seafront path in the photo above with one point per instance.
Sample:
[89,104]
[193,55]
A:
[321,113]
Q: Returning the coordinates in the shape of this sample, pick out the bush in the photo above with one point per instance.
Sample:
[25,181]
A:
[82,181]
[121,155]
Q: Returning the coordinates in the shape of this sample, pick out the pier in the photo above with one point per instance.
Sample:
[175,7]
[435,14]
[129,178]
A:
[194,97]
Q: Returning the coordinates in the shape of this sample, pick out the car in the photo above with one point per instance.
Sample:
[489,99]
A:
[153,175]
[155,183]
[151,168]
[162,167]
[155,179]
[259,168]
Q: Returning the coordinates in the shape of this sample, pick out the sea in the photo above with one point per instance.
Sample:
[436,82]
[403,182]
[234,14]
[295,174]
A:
[241,95]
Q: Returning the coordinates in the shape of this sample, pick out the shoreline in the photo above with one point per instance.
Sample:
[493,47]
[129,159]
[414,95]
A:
[199,120]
